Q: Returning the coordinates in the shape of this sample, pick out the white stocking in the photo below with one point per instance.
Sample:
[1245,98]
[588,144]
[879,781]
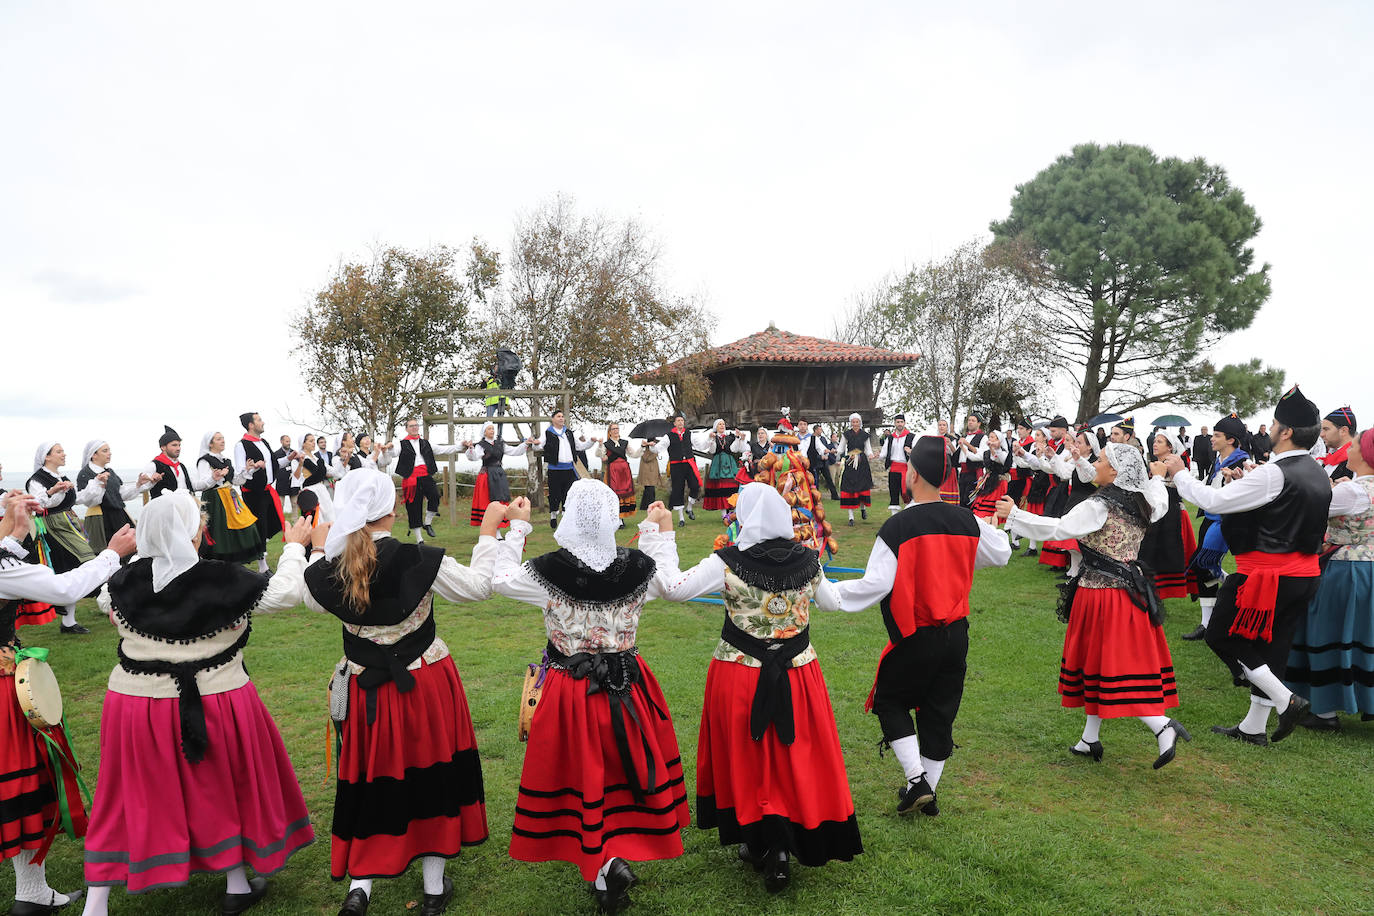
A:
[1268,683]
[237,881]
[433,867]
[31,881]
[1075,561]
[364,883]
[68,615]
[419,535]
[1256,721]
[1164,736]
[1206,604]
[97,901]
[262,563]
[908,751]
[933,770]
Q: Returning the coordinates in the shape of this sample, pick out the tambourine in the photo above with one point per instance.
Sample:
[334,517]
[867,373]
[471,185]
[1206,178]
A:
[39,695]
[529,697]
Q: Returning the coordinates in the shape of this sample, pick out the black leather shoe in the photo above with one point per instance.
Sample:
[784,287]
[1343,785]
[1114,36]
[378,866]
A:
[748,856]
[682,523]
[75,629]
[355,904]
[692,515]
[1195,635]
[1031,552]
[777,871]
[233,904]
[26,908]
[434,904]
[429,530]
[863,514]
[851,523]
[1094,751]
[1320,723]
[1289,718]
[1367,717]
[1179,732]
[917,793]
[553,523]
[931,809]
[616,896]
[1233,731]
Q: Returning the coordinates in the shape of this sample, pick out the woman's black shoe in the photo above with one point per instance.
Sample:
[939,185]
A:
[1195,635]
[1094,751]
[863,513]
[692,515]
[435,904]
[355,904]
[749,857]
[27,908]
[233,904]
[1031,552]
[777,871]
[1179,732]
[1259,739]
[616,896]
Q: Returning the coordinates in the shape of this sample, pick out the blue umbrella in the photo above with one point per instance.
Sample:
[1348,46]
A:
[1103,419]
[1171,419]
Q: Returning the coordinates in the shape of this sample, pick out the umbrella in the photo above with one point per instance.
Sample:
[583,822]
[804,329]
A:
[1103,419]
[651,429]
[1040,424]
[1171,419]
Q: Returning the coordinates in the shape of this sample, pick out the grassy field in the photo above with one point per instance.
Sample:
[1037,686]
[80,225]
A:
[1024,827]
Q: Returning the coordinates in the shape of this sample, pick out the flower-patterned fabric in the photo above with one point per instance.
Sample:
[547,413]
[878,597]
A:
[1355,533]
[1119,538]
[766,615]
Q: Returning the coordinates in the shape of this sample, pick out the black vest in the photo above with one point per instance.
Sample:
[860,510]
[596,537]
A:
[169,480]
[405,462]
[112,498]
[219,464]
[1295,522]
[969,466]
[259,480]
[551,448]
[355,462]
[49,479]
[616,450]
[680,449]
[314,470]
[909,441]
[281,477]
[492,452]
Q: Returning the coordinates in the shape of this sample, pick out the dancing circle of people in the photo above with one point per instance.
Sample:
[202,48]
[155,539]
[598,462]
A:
[194,776]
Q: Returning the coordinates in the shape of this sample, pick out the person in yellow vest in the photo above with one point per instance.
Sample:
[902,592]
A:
[496,404]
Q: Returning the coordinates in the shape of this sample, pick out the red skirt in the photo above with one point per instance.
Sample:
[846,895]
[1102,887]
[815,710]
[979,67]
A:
[986,506]
[718,492]
[28,800]
[481,498]
[1056,553]
[1180,583]
[622,484]
[1037,508]
[1115,662]
[575,803]
[34,613]
[410,783]
[769,794]
[850,500]
[157,819]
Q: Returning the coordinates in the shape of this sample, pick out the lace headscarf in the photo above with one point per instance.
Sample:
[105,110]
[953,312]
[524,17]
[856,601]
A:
[363,496]
[763,515]
[166,528]
[591,517]
[89,451]
[1130,466]
[40,455]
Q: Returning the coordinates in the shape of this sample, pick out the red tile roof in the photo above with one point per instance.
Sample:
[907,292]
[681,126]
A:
[773,346]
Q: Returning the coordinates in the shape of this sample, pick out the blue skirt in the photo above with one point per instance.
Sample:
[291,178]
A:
[1332,660]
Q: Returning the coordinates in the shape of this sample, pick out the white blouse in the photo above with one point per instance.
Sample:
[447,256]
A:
[205,476]
[1084,518]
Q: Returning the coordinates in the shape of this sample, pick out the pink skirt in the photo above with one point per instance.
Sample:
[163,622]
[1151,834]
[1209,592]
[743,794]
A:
[157,819]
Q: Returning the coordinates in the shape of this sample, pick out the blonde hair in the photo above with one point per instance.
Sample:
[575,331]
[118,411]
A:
[356,565]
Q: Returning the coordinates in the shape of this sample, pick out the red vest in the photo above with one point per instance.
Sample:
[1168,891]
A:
[935,545]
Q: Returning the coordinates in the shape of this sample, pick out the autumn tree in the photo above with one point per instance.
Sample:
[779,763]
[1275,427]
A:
[969,318]
[380,332]
[1143,264]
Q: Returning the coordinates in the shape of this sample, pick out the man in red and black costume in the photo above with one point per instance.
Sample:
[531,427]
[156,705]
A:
[896,447]
[973,448]
[262,464]
[416,467]
[166,466]
[1338,431]
[920,572]
[682,470]
[1274,521]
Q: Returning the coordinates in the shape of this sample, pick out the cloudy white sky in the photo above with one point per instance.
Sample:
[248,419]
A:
[177,178]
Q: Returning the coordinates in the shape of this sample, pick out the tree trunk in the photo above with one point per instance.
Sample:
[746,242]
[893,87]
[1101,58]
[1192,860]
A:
[1090,395]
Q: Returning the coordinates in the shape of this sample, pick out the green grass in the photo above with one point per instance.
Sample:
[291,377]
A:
[1024,827]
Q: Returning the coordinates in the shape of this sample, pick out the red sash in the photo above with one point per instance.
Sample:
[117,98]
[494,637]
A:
[691,463]
[899,467]
[1256,597]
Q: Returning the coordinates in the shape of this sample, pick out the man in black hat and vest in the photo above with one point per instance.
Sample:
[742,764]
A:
[1338,431]
[817,450]
[281,479]
[1274,521]
[166,466]
[896,447]
[262,465]
[968,457]
[561,448]
[920,572]
[416,466]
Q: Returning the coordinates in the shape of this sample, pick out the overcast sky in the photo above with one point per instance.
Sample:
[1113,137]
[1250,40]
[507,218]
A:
[177,178]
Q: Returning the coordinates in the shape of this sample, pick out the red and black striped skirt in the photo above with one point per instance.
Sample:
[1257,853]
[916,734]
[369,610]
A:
[575,803]
[1115,662]
[410,783]
[769,794]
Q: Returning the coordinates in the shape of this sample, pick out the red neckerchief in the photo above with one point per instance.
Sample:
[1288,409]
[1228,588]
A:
[163,460]
[251,438]
[1331,459]
[411,438]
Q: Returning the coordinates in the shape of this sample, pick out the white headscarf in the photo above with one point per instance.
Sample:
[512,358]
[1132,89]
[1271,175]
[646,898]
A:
[591,517]
[41,454]
[363,496]
[763,515]
[1175,444]
[714,424]
[205,443]
[1093,444]
[1129,464]
[488,426]
[165,530]
[855,416]
[89,451]
[764,430]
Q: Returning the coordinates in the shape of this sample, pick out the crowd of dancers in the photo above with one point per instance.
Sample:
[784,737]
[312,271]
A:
[194,776]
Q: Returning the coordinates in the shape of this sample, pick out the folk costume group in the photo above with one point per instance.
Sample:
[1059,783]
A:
[194,775]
